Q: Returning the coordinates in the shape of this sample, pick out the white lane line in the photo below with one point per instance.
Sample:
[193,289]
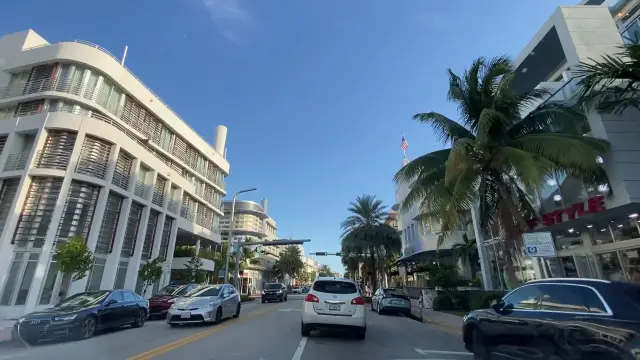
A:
[427,352]
[298,354]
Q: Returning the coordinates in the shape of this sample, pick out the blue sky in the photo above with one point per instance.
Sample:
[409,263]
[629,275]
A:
[316,94]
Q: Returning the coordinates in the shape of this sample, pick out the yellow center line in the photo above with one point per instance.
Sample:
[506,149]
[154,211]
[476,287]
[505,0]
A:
[191,338]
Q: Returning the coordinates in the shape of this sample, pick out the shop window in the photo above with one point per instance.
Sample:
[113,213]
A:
[600,234]
[631,264]
[611,267]
[625,230]
[569,239]
[569,266]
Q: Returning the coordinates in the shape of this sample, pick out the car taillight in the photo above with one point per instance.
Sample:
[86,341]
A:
[312,298]
[357,301]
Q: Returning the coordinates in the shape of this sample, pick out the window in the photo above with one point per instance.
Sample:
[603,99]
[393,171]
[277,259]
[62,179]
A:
[335,287]
[117,296]
[205,292]
[525,298]
[129,296]
[570,298]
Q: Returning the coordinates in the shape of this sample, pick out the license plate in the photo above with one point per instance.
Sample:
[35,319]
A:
[185,315]
[334,307]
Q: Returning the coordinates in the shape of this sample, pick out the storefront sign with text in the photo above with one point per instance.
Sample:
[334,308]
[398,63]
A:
[593,205]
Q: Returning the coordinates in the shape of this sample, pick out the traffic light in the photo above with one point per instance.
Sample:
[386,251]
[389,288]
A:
[339,254]
[321,254]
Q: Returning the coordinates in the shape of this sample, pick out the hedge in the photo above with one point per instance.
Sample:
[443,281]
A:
[466,300]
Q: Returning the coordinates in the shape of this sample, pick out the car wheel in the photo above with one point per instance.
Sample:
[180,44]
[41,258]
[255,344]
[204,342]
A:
[380,310]
[362,334]
[478,345]
[139,321]
[263,301]
[282,299]
[304,330]
[218,316]
[173,325]
[237,314]
[285,298]
[88,327]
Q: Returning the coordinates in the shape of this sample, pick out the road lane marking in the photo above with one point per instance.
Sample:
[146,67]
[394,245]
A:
[298,354]
[191,338]
[442,352]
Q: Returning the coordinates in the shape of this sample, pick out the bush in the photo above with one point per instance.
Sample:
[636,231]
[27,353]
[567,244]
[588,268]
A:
[245,298]
[443,302]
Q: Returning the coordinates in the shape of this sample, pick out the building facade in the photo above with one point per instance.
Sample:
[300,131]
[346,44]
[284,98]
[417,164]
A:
[252,223]
[86,149]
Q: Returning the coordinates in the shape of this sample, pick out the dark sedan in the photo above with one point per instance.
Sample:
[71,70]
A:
[83,315]
[274,292]
[558,319]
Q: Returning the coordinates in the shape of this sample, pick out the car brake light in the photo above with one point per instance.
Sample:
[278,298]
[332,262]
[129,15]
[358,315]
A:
[312,298]
[357,301]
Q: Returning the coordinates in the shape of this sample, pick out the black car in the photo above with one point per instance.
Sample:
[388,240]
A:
[83,315]
[558,319]
[274,292]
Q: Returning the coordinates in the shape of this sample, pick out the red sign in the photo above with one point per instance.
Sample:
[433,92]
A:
[594,205]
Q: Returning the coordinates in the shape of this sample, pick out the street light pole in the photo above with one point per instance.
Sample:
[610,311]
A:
[233,210]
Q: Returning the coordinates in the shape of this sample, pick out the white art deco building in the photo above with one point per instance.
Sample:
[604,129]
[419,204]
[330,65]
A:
[86,149]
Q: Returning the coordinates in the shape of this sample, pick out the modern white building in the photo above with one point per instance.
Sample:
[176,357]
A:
[86,149]
[252,223]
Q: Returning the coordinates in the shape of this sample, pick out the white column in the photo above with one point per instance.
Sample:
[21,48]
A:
[134,262]
[172,246]
[197,246]
[49,243]
[111,265]
[96,224]
[155,250]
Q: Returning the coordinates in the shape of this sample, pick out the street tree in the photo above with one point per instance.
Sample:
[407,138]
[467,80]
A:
[195,273]
[365,232]
[499,154]
[150,273]
[75,260]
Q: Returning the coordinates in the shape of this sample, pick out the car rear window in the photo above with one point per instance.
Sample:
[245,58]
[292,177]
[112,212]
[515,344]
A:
[335,287]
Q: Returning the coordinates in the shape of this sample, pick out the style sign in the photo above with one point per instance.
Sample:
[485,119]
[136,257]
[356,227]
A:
[539,244]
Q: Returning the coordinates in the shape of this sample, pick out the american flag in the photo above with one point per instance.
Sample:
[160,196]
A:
[404,144]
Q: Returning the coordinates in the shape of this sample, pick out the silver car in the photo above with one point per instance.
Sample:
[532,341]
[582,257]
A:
[210,303]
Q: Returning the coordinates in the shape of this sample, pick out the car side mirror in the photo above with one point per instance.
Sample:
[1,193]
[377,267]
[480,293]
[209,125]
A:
[497,305]
[110,302]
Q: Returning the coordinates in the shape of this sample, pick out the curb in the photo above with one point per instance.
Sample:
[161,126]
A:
[5,334]
[447,327]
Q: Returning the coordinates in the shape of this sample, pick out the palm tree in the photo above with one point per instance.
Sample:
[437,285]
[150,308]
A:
[497,156]
[364,232]
[612,83]
[290,261]
[467,253]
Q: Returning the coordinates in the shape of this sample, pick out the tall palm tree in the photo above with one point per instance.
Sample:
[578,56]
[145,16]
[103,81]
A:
[612,83]
[497,156]
[290,261]
[364,232]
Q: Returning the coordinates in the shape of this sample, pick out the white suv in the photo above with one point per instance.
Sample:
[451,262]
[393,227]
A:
[334,303]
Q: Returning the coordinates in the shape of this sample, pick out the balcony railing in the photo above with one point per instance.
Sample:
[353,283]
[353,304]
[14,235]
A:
[120,180]
[187,213]
[16,161]
[142,189]
[173,206]
[53,159]
[92,168]
[158,198]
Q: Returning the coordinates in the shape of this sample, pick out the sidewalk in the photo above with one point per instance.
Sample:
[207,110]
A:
[449,322]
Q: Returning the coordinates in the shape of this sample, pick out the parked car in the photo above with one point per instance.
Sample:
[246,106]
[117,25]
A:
[274,292]
[334,303]
[83,315]
[297,290]
[210,303]
[391,300]
[161,301]
[558,319]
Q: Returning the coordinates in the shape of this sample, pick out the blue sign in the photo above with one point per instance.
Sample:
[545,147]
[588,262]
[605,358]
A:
[532,250]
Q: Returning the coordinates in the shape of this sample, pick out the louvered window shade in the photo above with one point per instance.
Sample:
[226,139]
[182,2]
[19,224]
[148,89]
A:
[29,108]
[57,150]
[78,210]
[94,157]
[109,224]
[180,149]
[166,235]
[7,194]
[158,191]
[3,142]
[121,174]
[131,233]
[40,78]
[37,212]
[150,235]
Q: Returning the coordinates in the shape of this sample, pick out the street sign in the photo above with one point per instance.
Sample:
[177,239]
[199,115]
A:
[539,244]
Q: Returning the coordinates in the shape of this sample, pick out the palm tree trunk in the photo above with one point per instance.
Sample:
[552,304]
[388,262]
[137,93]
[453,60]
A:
[509,268]
[374,275]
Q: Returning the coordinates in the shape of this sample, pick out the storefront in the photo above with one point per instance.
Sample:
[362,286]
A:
[593,241]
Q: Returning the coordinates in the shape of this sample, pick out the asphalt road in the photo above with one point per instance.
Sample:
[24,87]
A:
[263,332]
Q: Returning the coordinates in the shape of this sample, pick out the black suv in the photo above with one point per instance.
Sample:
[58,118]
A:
[274,292]
[558,319]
